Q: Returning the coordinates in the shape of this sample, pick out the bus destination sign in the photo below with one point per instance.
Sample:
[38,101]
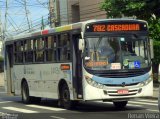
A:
[116,27]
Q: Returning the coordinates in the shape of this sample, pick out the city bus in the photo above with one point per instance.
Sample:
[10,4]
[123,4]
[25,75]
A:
[94,60]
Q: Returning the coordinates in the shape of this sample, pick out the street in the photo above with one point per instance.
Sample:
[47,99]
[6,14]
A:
[48,109]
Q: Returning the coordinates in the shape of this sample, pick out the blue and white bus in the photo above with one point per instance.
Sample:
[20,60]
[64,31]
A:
[106,60]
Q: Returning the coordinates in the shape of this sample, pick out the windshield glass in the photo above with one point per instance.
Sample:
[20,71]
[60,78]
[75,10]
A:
[113,53]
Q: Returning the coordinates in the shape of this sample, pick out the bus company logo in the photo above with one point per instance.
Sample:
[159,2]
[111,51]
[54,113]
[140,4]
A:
[123,84]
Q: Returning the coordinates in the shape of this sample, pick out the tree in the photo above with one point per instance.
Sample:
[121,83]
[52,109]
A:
[142,9]
[148,10]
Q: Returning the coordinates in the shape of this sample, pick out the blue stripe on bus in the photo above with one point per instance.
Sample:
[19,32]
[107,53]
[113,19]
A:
[128,80]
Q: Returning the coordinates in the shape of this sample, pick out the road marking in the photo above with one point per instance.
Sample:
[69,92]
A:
[19,110]
[152,110]
[3,92]
[134,102]
[5,102]
[134,105]
[44,107]
[57,117]
[107,102]
[127,104]
[153,101]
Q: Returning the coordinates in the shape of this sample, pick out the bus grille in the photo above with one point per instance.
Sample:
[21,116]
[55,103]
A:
[121,74]
[120,85]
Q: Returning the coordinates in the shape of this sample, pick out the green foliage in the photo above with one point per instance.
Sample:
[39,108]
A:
[154,27]
[1,59]
[156,51]
[142,9]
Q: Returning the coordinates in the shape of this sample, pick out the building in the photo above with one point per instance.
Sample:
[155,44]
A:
[81,10]
[71,11]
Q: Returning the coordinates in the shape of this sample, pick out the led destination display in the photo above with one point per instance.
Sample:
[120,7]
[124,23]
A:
[116,27]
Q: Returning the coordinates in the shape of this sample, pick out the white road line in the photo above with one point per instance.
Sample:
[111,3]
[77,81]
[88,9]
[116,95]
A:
[144,103]
[134,105]
[57,117]
[47,108]
[152,110]
[127,104]
[5,102]
[152,101]
[2,92]
[19,110]
[107,102]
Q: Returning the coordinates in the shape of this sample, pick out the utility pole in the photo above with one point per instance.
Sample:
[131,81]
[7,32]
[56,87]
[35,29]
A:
[52,16]
[1,35]
[5,22]
[0,26]
[25,6]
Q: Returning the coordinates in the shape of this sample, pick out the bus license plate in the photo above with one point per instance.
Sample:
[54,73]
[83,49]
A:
[123,91]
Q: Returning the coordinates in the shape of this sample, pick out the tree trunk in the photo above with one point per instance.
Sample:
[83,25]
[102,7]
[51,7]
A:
[155,71]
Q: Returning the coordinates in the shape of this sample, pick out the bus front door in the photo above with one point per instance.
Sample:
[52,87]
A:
[9,69]
[77,68]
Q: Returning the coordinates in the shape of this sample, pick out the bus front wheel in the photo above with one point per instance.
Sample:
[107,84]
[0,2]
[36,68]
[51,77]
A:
[65,97]
[120,104]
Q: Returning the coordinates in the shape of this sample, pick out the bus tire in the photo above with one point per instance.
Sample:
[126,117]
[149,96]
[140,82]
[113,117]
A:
[36,100]
[120,104]
[65,97]
[25,93]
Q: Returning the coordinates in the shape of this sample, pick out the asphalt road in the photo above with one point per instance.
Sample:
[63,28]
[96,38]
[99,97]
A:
[11,107]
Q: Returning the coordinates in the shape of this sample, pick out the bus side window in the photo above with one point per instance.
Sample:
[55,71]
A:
[50,48]
[28,52]
[39,45]
[18,51]
[64,47]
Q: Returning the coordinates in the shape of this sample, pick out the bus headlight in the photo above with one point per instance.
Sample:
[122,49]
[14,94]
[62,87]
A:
[93,83]
[146,82]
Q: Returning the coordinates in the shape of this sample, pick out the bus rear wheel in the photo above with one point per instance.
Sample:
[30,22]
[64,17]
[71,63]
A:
[120,104]
[65,97]
[25,93]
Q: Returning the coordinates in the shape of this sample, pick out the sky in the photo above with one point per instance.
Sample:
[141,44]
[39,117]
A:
[16,17]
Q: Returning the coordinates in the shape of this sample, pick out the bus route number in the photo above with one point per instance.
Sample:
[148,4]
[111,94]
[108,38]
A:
[99,28]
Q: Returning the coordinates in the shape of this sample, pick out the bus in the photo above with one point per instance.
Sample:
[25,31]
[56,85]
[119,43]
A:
[94,60]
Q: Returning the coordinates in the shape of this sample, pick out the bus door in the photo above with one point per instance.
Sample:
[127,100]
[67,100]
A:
[77,67]
[9,68]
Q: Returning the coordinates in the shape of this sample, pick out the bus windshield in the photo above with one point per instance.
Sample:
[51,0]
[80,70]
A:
[115,53]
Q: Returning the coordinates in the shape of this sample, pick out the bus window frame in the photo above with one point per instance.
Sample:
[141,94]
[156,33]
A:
[34,38]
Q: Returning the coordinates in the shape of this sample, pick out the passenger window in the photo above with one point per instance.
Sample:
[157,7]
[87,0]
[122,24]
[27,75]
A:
[50,56]
[18,52]
[64,47]
[39,53]
[28,46]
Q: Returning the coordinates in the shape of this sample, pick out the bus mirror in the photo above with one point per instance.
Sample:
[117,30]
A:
[81,44]
[151,48]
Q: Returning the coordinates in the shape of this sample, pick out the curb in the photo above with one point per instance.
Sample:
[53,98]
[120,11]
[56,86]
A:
[154,98]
